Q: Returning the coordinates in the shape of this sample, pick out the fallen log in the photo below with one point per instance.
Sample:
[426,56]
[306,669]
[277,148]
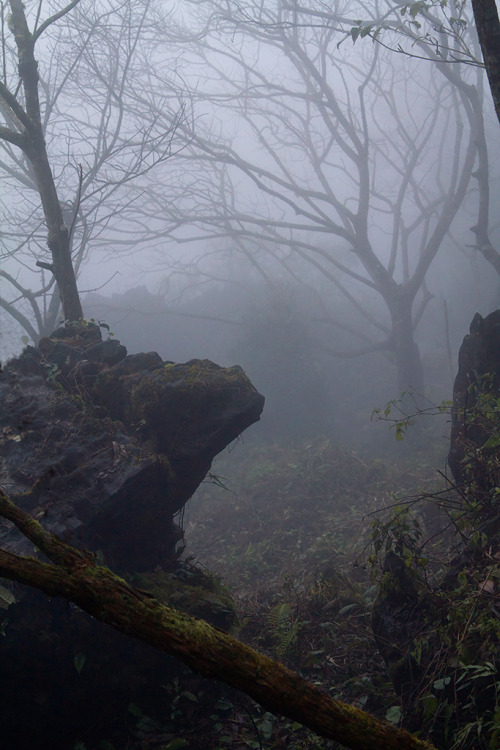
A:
[76,576]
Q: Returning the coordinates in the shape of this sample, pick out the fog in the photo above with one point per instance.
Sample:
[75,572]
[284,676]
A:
[309,191]
[284,194]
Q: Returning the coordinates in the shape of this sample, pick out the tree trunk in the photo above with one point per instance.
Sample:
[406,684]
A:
[58,239]
[488,31]
[101,593]
[405,348]
[33,145]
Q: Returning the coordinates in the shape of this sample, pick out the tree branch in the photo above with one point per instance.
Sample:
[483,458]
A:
[214,654]
[17,139]
[49,21]
[21,319]
[16,109]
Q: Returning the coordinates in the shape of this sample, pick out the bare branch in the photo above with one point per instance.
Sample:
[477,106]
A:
[17,139]
[49,21]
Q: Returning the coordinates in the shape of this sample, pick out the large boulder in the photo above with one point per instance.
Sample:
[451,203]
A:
[104,449]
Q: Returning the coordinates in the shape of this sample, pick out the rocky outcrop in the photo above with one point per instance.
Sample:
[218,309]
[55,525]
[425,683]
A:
[431,657]
[104,449]
[475,394]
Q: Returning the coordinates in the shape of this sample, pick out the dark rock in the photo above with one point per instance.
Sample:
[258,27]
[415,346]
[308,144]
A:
[84,374]
[186,409]
[72,679]
[104,449]
[79,334]
[126,451]
[398,613]
[133,363]
[63,356]
[478,377]
[409,618]
[106,352]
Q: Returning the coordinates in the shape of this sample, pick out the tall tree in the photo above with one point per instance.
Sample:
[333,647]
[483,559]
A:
[21,107]
[443,33]
[100,151]
[339,157]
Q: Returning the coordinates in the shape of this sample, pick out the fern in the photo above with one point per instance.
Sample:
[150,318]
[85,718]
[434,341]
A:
[285,628]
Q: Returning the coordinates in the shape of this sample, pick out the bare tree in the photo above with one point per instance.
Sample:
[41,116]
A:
[444,34]
[100,153]
[21,105]
[341,158]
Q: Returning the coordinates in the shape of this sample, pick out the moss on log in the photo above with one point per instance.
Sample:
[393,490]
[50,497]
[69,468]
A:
[76,576]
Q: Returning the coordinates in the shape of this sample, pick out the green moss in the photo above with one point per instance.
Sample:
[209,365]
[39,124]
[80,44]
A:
[142,395]
[203,596]
[160,460]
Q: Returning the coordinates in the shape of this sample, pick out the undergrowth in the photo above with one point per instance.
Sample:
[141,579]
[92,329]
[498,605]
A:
[299,534]
[320,546]
[288,528]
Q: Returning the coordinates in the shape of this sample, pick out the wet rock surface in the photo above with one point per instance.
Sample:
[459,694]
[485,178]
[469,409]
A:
[478,379]
[419,629]
[104,448]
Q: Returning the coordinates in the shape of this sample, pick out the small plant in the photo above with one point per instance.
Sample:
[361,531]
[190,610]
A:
[402,533]
[401,417]
[285,630]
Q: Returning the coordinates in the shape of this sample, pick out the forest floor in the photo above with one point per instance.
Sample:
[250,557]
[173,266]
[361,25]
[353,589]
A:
[289,530]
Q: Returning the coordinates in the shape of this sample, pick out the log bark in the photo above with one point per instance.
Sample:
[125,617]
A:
[76,576]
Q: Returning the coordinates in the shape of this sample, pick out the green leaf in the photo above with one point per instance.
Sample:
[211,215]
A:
[189,696]
[79,662]
[176,744]
[6,598]
[134,709]
[445,405]
[430,704]
[394,714]
[415,8]
[223,704]
[266,725]
[492,442]
[442,683]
